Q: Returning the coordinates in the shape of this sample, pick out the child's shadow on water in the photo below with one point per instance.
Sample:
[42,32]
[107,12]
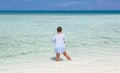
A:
[54,59]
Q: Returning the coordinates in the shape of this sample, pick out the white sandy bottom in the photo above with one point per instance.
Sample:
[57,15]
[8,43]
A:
[64,66]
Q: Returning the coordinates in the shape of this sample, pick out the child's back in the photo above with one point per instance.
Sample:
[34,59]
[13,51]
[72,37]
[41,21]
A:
[59,40]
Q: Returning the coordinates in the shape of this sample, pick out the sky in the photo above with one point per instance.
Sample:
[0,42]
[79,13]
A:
[59,4]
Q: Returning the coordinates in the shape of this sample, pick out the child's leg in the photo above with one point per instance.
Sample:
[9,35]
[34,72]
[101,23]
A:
[66,55]
[57,56]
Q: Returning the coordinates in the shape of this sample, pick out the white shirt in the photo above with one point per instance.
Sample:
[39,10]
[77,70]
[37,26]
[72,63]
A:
[59,40]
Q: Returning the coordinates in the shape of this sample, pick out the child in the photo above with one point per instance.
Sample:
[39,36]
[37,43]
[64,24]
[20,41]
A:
[59,41]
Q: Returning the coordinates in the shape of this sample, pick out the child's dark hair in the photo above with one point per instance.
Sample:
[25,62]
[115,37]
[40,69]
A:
[59,29]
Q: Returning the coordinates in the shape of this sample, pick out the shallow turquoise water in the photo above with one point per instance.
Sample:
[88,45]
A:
[89,36]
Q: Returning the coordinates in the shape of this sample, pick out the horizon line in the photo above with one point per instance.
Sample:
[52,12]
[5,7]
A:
[62,11]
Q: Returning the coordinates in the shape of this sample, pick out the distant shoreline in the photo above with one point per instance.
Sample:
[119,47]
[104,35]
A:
[64,11]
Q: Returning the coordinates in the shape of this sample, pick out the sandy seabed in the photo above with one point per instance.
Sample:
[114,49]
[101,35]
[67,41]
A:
[64,66]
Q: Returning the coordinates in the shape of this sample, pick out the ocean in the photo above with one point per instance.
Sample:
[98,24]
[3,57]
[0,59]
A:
[92,38]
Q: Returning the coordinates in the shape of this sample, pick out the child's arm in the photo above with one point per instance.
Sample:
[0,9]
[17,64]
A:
[54,39]
[64,38]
